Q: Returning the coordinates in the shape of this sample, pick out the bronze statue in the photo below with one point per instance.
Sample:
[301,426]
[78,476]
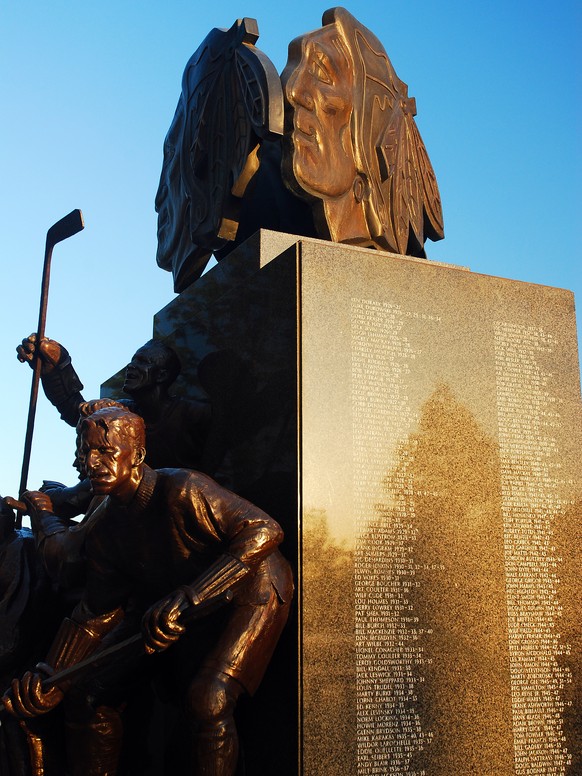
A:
[348,164]
[352,147]
[176,428]
[28,609]
[165,542]
[231,100]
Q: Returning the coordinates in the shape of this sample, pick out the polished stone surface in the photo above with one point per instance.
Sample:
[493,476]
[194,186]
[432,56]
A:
[416,429]
[440,440]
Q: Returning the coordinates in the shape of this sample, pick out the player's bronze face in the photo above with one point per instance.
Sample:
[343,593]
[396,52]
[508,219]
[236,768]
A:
[320,90]
[142,371]
[108,459]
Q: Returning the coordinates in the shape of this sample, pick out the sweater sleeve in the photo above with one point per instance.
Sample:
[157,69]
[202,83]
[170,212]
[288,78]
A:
[246,532]
[63,388]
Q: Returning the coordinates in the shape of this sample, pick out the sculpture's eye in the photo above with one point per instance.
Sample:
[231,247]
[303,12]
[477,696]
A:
[318,70]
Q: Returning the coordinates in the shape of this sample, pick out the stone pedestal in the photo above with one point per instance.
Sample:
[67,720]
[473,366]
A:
[416,429]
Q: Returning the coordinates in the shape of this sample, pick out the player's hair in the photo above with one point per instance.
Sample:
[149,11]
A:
[118,418]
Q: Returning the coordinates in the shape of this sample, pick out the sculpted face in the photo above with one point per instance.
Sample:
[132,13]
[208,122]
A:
[320,90]
[109,459]
[351,148]
[171,200]
[142,371]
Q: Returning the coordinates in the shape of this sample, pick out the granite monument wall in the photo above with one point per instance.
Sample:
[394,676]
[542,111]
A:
[415,428]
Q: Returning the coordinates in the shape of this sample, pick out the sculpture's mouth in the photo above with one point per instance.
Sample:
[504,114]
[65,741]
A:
[300,136]
[132,380]
[98,479]
[304,128]
[163,219]
[172,221]
[164,232]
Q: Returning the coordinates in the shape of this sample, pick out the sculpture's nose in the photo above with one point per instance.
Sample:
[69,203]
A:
[298,91]
[92,460]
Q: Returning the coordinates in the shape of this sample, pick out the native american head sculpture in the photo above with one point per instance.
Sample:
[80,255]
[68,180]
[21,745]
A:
[346,163]
[231,100]
[351,145]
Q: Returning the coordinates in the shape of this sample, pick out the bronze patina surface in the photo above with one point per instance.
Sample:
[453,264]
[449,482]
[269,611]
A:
[413,427]
[160,543]
[231,100]
[347,164]
[352,147]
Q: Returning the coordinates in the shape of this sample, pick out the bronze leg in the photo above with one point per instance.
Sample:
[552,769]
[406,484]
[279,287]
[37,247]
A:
[94,745]
[211,700]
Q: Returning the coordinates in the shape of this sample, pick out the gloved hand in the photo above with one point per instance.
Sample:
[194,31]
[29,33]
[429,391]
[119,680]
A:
[51,352]
[26,697]
[160,624]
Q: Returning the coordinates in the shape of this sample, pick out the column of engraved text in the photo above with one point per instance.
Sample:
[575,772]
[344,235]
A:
[528,414]
[388,645]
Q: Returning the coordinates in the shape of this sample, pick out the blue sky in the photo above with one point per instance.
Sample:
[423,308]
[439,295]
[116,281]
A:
[88,92]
